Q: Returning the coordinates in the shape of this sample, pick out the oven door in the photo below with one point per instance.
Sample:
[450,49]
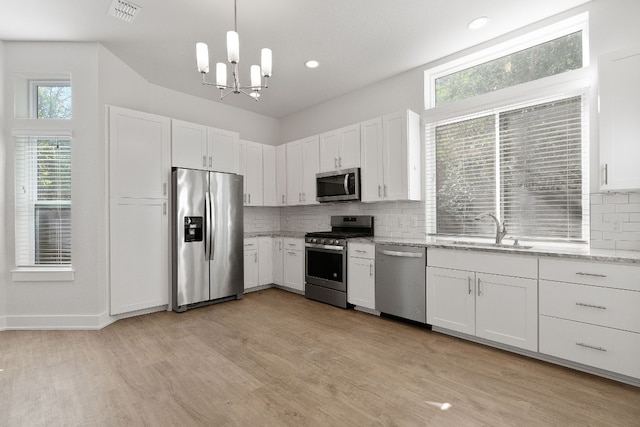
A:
[326,266]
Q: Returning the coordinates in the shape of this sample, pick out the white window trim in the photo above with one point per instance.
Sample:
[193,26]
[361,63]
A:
[46,273]
[568,26]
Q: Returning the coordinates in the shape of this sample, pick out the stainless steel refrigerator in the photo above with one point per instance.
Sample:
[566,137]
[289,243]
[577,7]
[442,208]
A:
[207,237]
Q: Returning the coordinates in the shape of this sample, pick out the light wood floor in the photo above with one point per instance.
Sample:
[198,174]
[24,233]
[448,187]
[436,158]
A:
[276,358]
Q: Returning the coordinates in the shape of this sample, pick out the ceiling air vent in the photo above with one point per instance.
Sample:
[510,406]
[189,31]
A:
[124,10]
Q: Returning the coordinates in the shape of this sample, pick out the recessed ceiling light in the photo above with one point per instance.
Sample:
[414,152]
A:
[478,23]
[312,63]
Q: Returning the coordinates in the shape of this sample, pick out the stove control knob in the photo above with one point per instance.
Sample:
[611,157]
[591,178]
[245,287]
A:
[314,240]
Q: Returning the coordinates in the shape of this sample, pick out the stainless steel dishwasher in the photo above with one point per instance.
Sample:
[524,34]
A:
[400,281]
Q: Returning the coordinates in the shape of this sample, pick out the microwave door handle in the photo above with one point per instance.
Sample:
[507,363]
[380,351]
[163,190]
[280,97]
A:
[346,183]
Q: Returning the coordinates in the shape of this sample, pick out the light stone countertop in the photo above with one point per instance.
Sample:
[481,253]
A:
[293,234]
[539,249]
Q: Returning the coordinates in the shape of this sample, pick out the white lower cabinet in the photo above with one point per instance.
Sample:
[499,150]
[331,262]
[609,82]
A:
[251,263]
[476,294]
[589,314]
[361,268]
[294,263]
[265,261]
[278,260]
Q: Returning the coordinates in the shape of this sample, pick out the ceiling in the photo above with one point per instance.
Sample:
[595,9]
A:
[358,42]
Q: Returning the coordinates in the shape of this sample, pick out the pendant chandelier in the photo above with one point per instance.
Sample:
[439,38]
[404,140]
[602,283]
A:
[259,73]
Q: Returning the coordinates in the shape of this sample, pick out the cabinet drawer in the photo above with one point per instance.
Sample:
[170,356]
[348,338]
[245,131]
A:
[362,250]
[292,243]
[597,346]
[614,308]
[251,243]
[591,273]
[502,264]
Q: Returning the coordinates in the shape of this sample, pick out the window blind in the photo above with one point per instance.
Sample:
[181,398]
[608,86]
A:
[526,165]
[42,200]
[541,170]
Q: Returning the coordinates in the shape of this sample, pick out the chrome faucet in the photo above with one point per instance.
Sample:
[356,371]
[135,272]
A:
[501,230]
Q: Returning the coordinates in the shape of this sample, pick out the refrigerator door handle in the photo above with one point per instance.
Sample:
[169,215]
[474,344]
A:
[212,229]
[207,227]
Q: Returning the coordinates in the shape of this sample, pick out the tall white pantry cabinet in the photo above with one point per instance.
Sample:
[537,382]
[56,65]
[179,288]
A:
[139,170]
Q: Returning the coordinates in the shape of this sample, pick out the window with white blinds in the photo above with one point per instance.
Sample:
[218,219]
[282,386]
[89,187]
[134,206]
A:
[43,200]
[527,165]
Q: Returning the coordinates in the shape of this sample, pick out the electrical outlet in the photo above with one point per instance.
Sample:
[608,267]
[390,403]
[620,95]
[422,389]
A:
[617,225]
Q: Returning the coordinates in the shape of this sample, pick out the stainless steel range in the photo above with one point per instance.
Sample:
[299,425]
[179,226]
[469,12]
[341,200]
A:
[326,258]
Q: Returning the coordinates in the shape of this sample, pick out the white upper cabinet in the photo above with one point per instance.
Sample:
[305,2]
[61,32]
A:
[281,175]
[222,150]
[371,181]
[302,166]
[340,149]
[390,156]
[196,146]
[269,176]
[188,145]
[139,154]
[251,169]
[619,124]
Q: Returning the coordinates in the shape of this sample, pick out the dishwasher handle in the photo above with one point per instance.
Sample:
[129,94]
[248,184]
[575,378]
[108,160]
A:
[402,254]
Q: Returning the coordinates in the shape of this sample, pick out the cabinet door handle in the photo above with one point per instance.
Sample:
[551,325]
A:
[361,251]
[210,161]
[283,199]
[469,284]
[204,161]
[371,270]
[582,304]
[340,161]
[280,246]
[164,208]
[255,257]
[249,198]
[593,347]
[606,174]
[385,190]
[299,197]
[164,189]
[580,273]
[379,190]
[304,197]
[291,253]
[335,162]
[479,284]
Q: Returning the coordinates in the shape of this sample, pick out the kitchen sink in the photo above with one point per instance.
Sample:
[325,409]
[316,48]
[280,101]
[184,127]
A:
[487,244]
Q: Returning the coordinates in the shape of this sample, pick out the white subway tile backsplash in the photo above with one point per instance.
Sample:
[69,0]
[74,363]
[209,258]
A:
[615,221]
[615,198]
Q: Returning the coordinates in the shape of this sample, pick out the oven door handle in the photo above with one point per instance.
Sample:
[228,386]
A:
[327,247]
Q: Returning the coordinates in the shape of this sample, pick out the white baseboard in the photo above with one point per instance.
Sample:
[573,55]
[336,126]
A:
[86,322]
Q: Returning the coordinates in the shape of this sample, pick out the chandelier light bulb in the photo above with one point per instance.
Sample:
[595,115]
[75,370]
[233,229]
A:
[233,47]
[266,62]
[221,75]
[255,77]
[202,57]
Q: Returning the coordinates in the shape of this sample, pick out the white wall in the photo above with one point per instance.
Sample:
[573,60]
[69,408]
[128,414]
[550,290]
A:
[38,304]
[3,179]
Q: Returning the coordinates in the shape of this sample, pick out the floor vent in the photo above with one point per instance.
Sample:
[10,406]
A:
[124,10]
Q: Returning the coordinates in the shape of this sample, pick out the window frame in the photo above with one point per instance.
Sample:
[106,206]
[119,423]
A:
[430,147]
[568,26]
[34,84]
[548,89]
[42,272]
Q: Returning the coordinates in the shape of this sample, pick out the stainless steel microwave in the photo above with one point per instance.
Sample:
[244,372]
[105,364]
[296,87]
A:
[338,186]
